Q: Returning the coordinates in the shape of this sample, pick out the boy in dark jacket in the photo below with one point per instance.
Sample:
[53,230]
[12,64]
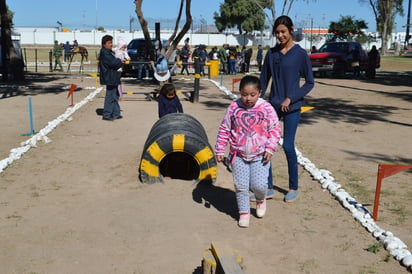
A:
[109,76]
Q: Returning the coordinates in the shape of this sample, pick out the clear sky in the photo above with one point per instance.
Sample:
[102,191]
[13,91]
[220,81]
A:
[86,14]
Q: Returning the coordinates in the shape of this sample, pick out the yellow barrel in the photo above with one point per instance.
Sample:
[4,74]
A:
[214,67]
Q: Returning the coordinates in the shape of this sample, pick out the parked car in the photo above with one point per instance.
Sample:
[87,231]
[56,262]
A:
[136,49]
[337,58]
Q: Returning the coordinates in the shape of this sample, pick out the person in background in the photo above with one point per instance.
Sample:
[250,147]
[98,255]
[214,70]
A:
[252,129]
[121,53]
[286,63]
[110,77]
[248,56]
[259,57]
[75,45]
[223,59]
[143,56]
[184,58]
[57,53]
[242,60]
[202,54]
[168,101]
[213,54]
[67,52]
[313,49]
[232,60]
[356,62]
[373,57]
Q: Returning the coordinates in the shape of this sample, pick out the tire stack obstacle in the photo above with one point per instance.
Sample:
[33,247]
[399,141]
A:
[177,147]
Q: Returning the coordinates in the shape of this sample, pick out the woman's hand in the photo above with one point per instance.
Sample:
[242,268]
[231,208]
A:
[220,158]
[266,157]
[284,107]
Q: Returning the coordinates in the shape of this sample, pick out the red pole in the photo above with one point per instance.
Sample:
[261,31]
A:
[377,194]
[71,91]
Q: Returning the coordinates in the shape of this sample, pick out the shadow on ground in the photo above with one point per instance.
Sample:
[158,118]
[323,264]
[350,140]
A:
[224,200]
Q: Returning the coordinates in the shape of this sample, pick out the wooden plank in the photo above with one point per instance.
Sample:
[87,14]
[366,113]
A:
[226,259]
[208,262]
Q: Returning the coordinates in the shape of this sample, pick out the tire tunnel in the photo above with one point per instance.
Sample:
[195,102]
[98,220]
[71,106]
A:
[177,147]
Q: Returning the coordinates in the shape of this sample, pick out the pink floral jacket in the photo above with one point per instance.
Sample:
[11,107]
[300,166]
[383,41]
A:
[250,131]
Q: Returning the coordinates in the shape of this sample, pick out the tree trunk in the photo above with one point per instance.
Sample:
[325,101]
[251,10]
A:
[11,63]
[143,24]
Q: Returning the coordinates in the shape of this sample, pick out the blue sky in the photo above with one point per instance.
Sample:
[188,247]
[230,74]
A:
[86,14]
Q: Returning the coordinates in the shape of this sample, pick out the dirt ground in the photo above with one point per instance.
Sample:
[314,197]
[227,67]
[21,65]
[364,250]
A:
[75,204]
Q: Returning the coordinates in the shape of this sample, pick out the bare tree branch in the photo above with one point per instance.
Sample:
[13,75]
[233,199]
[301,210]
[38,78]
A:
[143,24]
[183,31]
[173,39]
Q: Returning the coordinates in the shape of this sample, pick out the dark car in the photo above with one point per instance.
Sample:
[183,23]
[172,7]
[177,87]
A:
[338,58]
[138,51]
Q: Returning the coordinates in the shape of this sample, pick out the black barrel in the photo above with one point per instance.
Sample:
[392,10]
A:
[177,147]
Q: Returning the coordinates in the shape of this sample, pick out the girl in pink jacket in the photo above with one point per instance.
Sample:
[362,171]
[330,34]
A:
[251,127]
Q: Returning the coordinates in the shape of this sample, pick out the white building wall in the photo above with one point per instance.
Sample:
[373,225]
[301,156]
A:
[46,36]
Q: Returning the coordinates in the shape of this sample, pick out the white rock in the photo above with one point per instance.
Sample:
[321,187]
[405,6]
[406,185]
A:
[399,254]
[394,243]
[407,261]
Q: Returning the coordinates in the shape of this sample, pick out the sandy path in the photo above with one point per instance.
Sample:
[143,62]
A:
[75,205]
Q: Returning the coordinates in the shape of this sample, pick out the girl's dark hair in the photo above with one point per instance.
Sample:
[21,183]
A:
[106,38]
[167,88]
[283,20]
[249,80]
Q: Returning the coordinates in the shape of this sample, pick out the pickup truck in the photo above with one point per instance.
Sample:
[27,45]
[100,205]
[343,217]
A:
[337,58]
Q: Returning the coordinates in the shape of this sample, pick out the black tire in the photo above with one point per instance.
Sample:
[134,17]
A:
[177,147]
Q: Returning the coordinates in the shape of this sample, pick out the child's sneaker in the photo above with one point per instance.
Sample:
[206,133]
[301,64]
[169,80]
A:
[244,219]
[270,193]
[261,208]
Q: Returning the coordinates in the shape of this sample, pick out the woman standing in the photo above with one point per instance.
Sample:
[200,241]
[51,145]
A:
[286,63]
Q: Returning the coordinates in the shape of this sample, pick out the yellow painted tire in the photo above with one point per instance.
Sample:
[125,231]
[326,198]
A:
[177,147]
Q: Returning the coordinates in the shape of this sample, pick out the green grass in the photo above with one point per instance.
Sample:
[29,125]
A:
[396,63]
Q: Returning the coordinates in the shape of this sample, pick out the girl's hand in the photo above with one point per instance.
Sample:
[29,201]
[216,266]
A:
[284,107]
[266,157]
[220,158]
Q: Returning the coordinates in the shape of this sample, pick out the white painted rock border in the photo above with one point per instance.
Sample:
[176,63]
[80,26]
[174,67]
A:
[16,153]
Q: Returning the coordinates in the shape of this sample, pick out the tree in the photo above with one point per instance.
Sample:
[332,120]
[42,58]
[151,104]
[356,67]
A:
[347,28]
[11,63]
[175,38]
[384,12]
[245,15]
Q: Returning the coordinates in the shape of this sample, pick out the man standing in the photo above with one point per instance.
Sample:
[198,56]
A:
[110,77]
[57,53]
[259,57]
[223,58]
[67,52]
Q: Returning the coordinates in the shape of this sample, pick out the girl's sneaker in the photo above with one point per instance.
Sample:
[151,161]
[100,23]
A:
[244,219]
[261,208]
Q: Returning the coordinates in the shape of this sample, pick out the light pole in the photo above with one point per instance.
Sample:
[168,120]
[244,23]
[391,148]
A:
[96,15]
[60,24]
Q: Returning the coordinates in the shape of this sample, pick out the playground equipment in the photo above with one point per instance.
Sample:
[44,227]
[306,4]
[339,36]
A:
[177,147]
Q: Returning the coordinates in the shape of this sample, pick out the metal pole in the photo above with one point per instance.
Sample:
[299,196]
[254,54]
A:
[50,61]
[197,81]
